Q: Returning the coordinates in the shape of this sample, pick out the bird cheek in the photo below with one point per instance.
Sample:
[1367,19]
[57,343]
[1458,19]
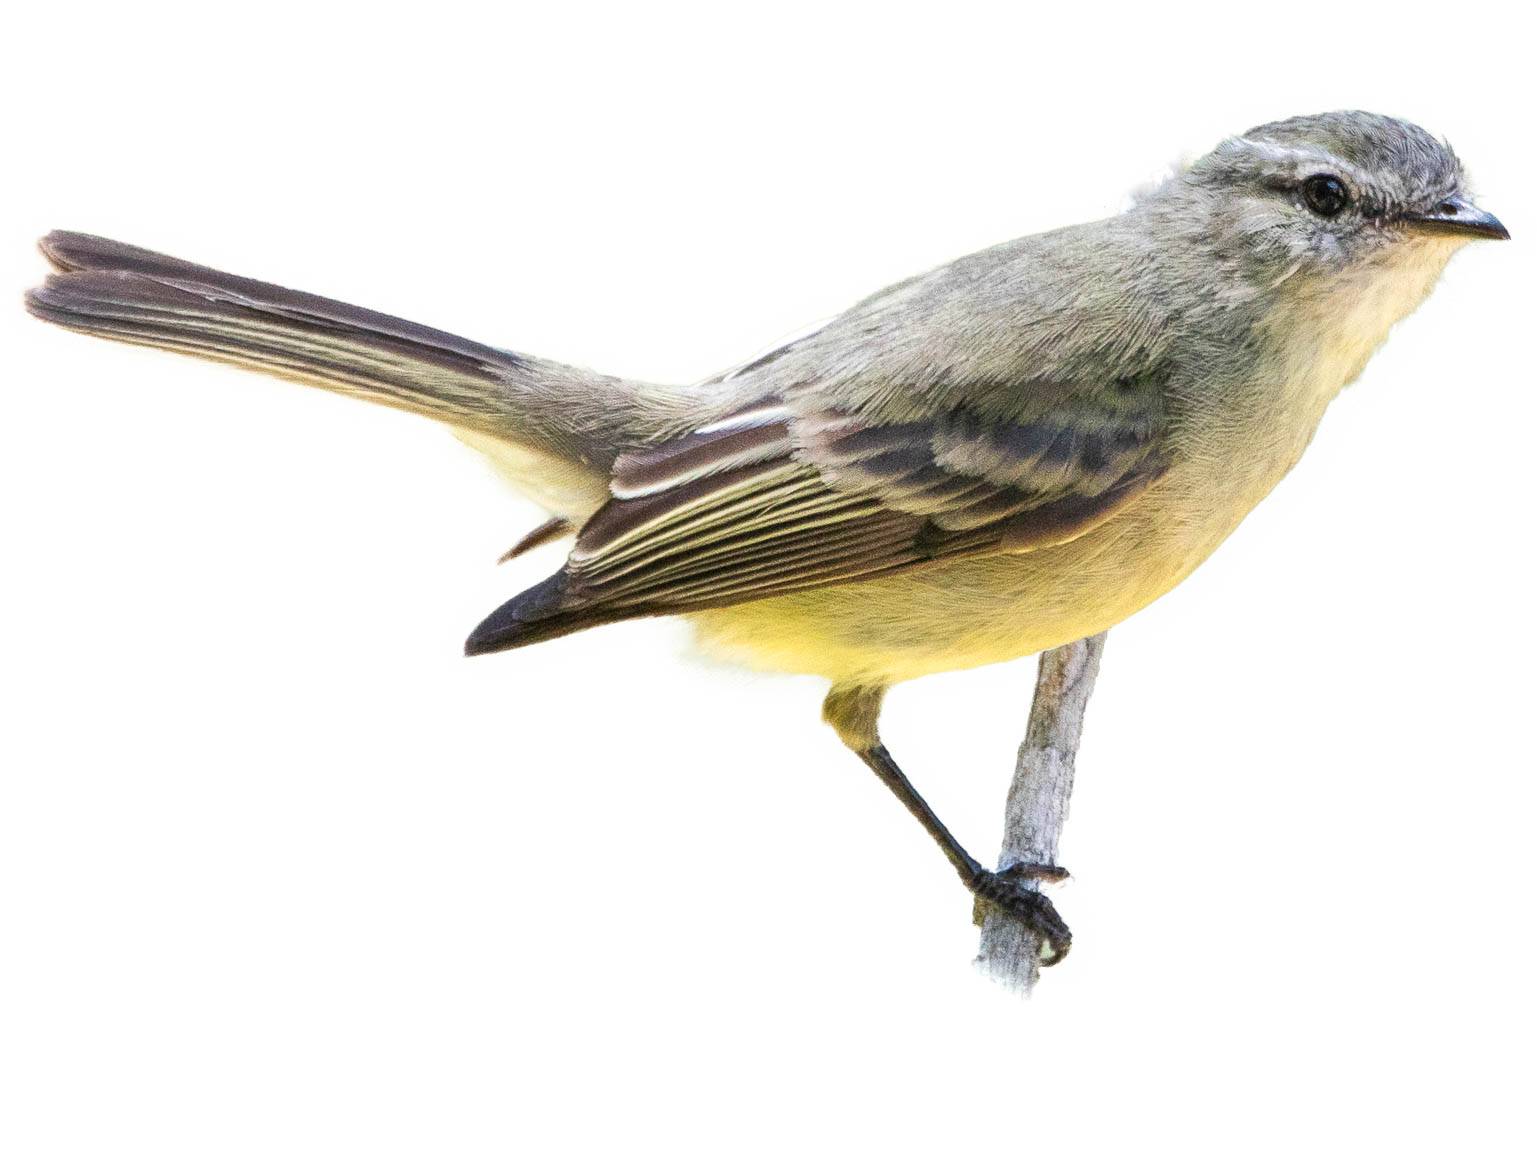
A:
[1330,248]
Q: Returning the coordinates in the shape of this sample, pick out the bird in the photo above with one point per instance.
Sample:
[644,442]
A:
[996,457]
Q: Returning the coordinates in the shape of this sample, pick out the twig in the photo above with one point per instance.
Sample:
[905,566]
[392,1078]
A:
[1038,799]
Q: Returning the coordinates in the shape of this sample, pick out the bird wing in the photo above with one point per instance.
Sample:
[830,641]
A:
[795,493]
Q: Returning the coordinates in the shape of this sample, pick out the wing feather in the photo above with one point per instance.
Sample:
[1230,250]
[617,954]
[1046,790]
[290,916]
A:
[786,495]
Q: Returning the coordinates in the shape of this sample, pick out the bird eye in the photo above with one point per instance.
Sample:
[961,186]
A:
[1325,194]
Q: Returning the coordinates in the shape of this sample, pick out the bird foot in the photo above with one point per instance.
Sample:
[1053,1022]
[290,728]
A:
[1012,892]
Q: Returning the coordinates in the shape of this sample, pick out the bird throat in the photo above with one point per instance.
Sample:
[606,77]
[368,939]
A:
[1328,331]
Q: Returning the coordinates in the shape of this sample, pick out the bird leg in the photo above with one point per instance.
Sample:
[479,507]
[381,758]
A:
[852,711]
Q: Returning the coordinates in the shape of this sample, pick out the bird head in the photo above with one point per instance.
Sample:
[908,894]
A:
[1330,193]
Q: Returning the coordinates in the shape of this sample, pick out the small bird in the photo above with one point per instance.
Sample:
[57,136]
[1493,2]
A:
[1002,455]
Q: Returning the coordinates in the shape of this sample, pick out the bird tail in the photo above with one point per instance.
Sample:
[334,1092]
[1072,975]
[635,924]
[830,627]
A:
[561,425]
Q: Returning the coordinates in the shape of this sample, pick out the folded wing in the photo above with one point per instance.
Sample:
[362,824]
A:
[793,494]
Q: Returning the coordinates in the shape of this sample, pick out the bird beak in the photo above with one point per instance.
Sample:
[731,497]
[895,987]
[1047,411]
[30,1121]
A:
[1458,215]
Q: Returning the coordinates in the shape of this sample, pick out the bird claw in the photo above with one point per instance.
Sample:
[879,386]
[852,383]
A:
[1012,892]
[1029,871]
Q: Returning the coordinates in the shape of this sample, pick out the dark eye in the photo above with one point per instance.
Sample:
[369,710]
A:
[1325,194]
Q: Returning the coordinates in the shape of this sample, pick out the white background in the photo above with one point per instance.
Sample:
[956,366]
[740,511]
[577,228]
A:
[280,870]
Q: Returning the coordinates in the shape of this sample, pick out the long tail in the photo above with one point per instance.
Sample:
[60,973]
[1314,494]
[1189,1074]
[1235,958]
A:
[550,416]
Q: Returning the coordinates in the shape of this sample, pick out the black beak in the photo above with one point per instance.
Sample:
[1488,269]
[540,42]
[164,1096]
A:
[1457,215]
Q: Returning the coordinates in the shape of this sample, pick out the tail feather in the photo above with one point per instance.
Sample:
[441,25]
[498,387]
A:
[126,293]
[387,370]
[563,424]
[74,252]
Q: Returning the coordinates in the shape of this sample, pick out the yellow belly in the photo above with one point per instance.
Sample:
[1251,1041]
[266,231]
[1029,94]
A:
[963,613]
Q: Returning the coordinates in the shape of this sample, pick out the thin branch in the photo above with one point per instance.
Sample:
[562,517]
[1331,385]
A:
[1038,799]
